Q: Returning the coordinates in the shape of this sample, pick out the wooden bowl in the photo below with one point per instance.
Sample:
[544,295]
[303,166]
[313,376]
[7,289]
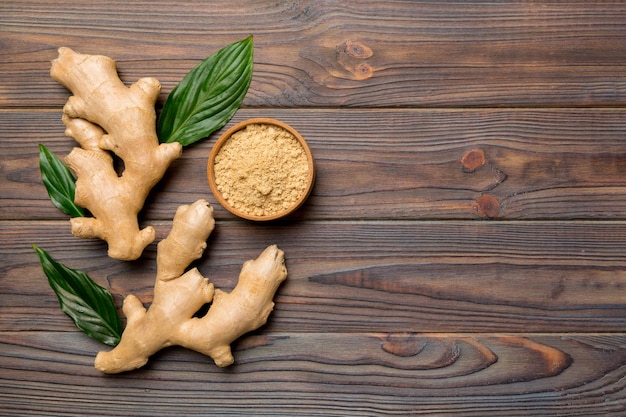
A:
[307,177]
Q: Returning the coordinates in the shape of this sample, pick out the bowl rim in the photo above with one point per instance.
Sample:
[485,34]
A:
[226,136]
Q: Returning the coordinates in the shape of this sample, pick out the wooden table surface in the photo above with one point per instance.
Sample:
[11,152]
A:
[417,285]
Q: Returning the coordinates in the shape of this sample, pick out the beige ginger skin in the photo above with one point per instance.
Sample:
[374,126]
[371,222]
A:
[178,295]
[103,116]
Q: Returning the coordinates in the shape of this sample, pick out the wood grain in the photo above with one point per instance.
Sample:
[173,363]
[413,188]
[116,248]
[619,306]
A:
[352,53]
[327,373]
[368,277]
[392,164]
[463,252]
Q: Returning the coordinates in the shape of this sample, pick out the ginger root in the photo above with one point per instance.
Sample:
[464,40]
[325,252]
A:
[104,115]
[178,295]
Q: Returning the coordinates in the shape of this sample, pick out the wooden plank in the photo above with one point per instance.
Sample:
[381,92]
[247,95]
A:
[326,373]
[352,53]
[425,118]
[391,164]
[364,276]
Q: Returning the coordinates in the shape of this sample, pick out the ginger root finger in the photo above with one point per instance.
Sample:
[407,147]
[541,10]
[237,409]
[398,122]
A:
[178,296]
[233,314]
[104,116]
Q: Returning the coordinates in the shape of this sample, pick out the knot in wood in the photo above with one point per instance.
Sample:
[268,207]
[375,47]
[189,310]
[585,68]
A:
[363,71]
[487,206]
[473,160]
[350,56]
[403,345]
[357,49]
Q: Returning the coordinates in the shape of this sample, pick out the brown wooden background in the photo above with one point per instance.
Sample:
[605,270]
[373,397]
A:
[417,286]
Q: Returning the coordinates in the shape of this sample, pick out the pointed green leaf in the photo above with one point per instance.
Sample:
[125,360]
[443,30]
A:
[90,306]
[59,182]
[209,95]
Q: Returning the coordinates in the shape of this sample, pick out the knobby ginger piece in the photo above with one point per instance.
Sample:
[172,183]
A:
[178,295]
[104,116]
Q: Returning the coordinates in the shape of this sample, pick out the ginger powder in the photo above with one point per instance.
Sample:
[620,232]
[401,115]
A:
[261,170]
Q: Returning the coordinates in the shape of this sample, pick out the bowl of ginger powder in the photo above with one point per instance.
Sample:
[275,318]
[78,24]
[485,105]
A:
[261,169]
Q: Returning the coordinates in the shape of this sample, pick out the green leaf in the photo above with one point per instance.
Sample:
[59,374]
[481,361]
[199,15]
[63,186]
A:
[90,306]
[59,182]
[209,95]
